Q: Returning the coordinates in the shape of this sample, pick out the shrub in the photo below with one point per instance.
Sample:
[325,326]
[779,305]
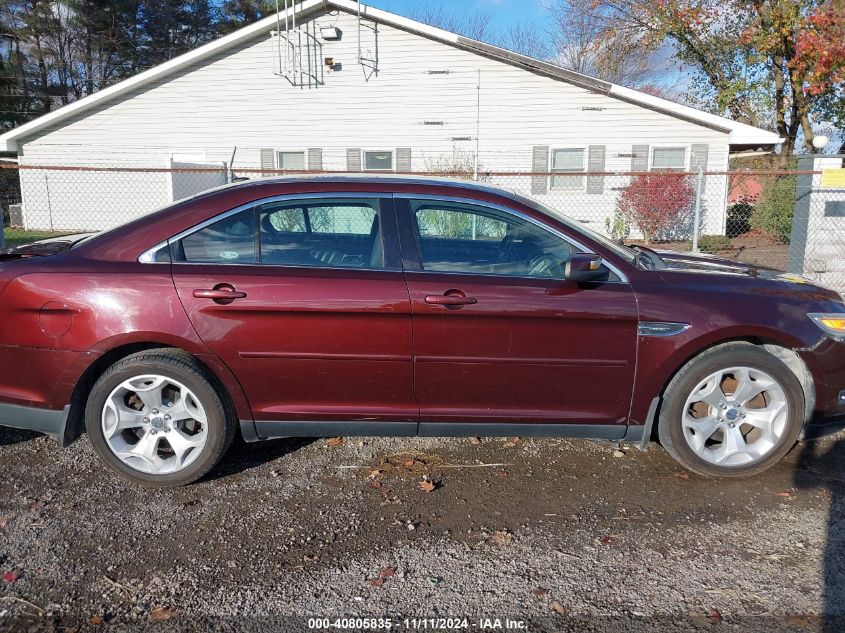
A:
[773,214]
[654,202]
[617,227]
[714,243]
[739,218]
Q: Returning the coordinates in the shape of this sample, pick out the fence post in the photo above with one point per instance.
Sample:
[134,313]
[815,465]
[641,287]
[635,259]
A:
[696,229]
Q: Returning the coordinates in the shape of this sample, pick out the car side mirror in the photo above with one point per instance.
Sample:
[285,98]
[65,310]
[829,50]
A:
[585,268]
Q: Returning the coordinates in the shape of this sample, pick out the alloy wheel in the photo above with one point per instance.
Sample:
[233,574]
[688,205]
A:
[154,424]
[735,416]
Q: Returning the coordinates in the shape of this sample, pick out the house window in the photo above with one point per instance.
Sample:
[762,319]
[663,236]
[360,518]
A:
[669,159]
[567,161]
[291,161]
[378,160]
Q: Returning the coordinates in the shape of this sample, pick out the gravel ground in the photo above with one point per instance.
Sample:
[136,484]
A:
[553,534]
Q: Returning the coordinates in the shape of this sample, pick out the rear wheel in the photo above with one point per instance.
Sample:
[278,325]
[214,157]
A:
[157,419]
[733,411]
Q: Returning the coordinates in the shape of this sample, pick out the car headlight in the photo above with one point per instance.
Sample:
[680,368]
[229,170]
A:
[831,324]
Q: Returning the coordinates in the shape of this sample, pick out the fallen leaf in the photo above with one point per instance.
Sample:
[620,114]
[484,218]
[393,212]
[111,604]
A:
[163,614]
[785,493]
[38,504]
[96,620]
[557,607]
[801,621]
[4,521]
[427,486]
[334,441]
[475,441]
[512,443]
[377,582]
[12,576]
[502,538]
[540,592]
[387,572]
[715,616]
[501,473]
[681,475]
[375,474]
[409,463]
[607,539]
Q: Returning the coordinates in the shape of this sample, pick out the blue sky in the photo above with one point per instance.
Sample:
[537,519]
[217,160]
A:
[503,13]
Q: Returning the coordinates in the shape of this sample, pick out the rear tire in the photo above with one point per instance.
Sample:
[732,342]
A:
[733,411]
[158,419]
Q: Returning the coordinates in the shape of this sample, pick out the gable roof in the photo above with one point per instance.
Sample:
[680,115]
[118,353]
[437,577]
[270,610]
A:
[738,133]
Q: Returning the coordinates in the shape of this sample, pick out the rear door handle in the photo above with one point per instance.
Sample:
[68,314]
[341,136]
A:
[451,299]
[223,294]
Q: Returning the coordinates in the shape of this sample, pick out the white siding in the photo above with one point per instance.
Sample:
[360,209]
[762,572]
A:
[234,99]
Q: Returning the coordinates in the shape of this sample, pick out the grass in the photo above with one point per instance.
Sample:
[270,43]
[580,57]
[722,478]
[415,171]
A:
[16,237]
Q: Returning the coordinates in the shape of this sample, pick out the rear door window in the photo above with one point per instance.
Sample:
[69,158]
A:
[321,233]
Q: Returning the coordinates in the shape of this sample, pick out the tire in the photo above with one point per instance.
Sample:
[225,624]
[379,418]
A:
[128,419]
[692,406]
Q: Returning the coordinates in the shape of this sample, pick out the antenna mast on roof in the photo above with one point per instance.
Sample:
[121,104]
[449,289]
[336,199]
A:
[369,59]
[298,51]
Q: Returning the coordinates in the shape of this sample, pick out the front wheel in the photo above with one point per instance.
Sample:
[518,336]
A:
[733,411]
[157,419]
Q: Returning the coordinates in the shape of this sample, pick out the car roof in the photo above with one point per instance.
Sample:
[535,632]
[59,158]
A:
[379,179]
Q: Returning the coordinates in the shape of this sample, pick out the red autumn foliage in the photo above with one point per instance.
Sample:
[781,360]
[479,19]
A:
[655,202]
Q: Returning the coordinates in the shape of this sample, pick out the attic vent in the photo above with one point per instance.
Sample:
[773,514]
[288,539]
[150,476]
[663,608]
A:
[433,123]
[624,155]
[592,108]
[439,72]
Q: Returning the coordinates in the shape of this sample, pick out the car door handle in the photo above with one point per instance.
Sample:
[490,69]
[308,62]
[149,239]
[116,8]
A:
[452,299]
[221,293]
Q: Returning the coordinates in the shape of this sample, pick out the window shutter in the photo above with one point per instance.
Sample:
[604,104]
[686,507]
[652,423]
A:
[700,154]
[353,159]
[639,158]
[315,159]
[403,159]
[595,162]
[540,164]
[268,162]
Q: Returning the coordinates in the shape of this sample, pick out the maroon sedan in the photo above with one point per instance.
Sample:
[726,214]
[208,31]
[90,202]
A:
[388,306]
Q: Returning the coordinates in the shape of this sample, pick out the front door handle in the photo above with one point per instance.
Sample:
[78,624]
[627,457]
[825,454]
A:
[451,299]
[224,294]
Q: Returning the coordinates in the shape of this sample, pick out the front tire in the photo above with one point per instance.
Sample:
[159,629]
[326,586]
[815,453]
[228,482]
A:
[733,411]
[156,418]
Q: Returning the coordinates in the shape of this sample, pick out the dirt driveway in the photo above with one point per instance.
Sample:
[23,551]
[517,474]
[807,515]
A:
[548,534]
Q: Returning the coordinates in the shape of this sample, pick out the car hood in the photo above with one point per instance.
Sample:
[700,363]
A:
[42,248]
[718,267]
[705,263]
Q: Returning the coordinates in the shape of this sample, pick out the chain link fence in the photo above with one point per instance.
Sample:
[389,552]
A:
[788,220]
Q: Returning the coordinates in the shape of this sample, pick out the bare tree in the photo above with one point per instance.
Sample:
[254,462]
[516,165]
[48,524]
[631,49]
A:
[473,25]
[589,39]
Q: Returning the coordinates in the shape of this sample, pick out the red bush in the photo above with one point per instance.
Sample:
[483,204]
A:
[654,202]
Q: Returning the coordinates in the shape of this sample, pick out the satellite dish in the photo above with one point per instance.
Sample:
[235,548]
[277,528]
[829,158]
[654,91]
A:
[820,141]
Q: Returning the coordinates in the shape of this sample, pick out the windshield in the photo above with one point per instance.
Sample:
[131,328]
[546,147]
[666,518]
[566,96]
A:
[626,253]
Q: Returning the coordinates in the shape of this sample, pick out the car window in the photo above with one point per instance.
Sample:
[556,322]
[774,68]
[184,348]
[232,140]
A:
[230,240]
[461,238]
[341,233]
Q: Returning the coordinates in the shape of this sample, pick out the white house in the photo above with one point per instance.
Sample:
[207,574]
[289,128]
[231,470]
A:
[350,87]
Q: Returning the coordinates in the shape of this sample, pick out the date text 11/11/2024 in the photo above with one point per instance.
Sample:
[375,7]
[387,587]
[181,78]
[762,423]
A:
[416,624]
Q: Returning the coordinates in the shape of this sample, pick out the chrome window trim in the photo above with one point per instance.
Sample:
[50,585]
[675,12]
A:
[148,257]
[623,278]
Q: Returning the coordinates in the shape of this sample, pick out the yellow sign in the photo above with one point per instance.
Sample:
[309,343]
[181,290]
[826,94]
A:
[833,178]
